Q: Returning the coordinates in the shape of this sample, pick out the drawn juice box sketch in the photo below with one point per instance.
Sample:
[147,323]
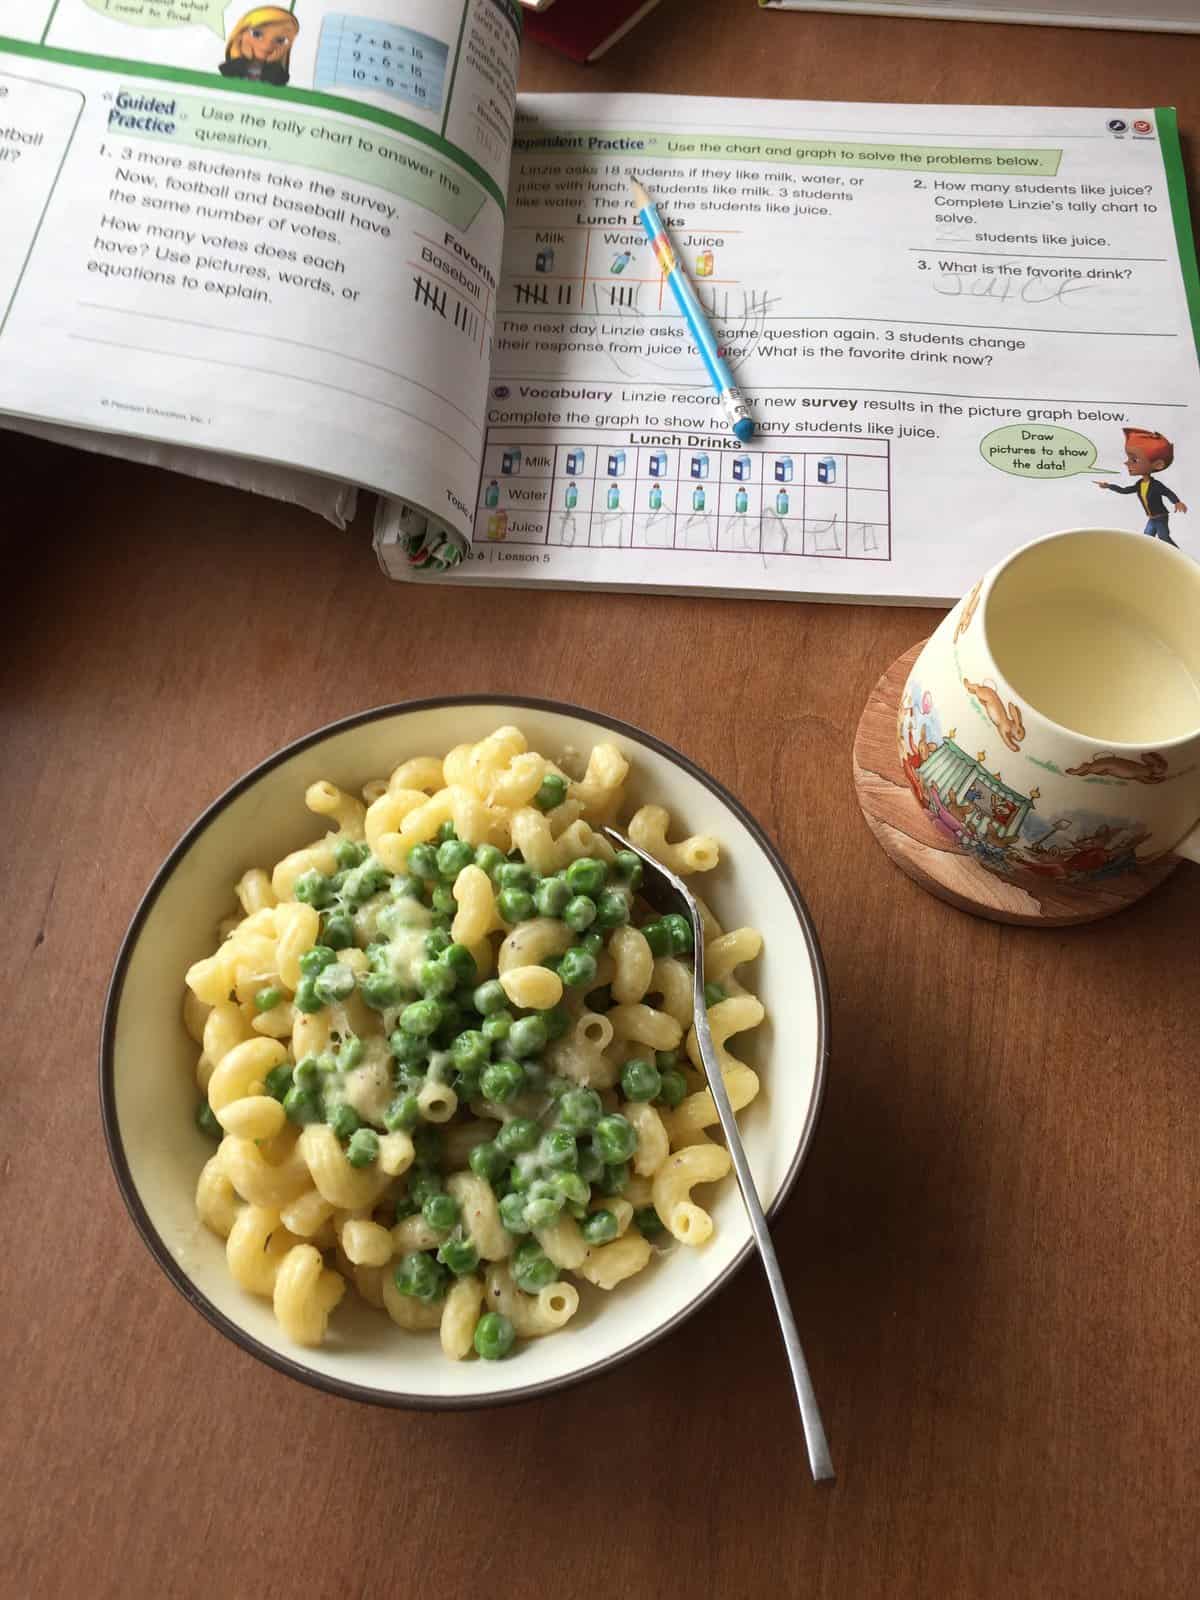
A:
[616,463]
[576,461]
[827,470]
[658,464]
[497,526]
[700,466]
[741,468]
[510,462]
[785,469]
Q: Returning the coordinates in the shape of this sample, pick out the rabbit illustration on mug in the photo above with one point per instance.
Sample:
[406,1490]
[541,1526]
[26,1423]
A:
[1006,720]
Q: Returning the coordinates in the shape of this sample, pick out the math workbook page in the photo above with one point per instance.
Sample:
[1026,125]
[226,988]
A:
[943,318]
[269,231]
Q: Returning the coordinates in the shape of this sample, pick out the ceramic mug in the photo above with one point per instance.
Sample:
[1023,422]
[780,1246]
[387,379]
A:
[1051,724]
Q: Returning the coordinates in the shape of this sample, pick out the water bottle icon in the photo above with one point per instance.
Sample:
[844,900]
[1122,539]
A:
[697,499]
[572,496]
[741,502]
[491,495]
[782,503]
[656,498]
[614,497]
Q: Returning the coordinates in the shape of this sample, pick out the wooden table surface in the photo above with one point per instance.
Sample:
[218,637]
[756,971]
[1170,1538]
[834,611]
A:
[992,1249]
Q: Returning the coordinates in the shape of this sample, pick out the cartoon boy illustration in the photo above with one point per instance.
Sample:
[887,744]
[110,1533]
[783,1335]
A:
[1145,454]
[260,45]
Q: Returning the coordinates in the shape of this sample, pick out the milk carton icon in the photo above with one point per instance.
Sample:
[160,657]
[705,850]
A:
[700,466]
[741,468]
[616,463]
[576,461]
[827,470]
[545,260]
[510,462]
[785,469]
[658,464]
[497,526]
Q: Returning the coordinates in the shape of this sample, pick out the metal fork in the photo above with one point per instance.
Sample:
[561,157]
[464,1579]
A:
[672,888]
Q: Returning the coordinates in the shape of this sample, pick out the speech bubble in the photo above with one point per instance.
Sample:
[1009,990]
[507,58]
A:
[164,13]
[1039,450]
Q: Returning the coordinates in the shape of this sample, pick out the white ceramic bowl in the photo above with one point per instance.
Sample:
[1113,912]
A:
[148,1092]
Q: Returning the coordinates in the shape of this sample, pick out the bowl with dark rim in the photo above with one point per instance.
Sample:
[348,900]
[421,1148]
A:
[147,1061]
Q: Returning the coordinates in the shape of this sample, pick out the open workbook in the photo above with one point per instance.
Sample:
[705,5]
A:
[304,250]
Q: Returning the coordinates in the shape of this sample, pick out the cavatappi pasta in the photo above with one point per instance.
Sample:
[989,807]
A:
[448,1052]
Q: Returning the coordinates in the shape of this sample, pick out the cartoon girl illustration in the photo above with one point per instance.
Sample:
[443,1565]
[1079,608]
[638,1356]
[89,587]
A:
[260,45]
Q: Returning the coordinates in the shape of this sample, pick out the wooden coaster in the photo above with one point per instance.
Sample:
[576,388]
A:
[916,844]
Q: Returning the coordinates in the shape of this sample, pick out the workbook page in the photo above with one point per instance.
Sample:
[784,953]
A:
[266,231]
[943,318]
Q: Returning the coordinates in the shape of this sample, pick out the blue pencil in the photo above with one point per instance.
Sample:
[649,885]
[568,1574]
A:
[735,408]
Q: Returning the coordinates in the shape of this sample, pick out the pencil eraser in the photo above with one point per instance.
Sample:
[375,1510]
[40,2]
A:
[743,429]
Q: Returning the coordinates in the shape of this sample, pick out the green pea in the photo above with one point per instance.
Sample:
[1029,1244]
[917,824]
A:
[502,1081]
[405,1208]
[337,930]
[527,1037]
[490,997]
[206,1121]
[313,888]
[543,1202]
[599,1227]
[350,1053]
[435,980]
[553,792]
[302,1106]
[672,1087]
[679,930]
[579,1110]
[494,1336]
[713,994]
[364,881]
[314,961]
[446,830]
[336,982]
[407,886]
[267,999]
[579,913]
[512,1213]
[422,862]
[442,920]
[381,991]
[518,1135]
[658,936]
[591,1168]
[532,1268]
[306,998]
[592,942]
[520,1180]
[402,1115]
[627,867]
[664,1060]
[452,857]
[577,968]
[470,1051]
[552,964]
[422,1185]
[460,1255]
[551,897]
[556,1022]
[572,1187]
[409,1049]
[614,1178]
[557,1149]
[442,900]
[450,1025]
[427,1146]
[461,962]
[497,1026]
[436,943]
[488,858]
[488,1160]
[516,875]
[587,876]
[615,1139]
[535,1075]
[363,1147]
[343,1119]
[306,1074]
[648,1222]
[349,854]
[417,1275]
[556,1087]
[440,1211]
[640,1080]
[421,1018]
[515,905]
[278,1081]
[612,909]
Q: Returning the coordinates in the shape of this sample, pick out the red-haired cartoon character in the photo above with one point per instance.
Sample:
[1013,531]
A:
[1145,454]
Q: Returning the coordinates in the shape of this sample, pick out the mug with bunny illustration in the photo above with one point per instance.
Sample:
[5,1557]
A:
[1051,724]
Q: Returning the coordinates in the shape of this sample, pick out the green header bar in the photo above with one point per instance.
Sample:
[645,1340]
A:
[795,152]
[1168,138]
[312,98]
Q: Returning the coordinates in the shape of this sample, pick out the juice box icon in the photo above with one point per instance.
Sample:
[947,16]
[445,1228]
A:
[545,260]
[700,466]
[704,264]
[497,526]
[510,462]
[491,495]
[616,463]
[827,470]
[785,469]
[658,463]
[576,461]
[741,468]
